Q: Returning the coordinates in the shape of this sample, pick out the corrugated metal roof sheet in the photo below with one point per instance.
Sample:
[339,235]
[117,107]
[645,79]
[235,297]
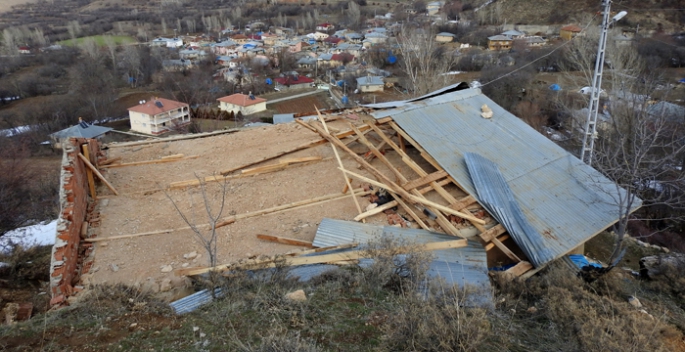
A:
[283,118]
[564,199]
[461,266]
[91,131]
[196,300]
[497,198]
[394,104]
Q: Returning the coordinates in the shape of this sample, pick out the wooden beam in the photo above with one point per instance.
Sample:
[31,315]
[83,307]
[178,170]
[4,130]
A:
[340,163]
[147,162]
[410,211]
[328,258]
[505,250]
[493,232]
[520,268]
[389,183]
[305,125]
[389,205]
[110,161]
[255,262]
[424,180]
[171,139]
[377,153]
[384,120]
[97,173]
[89,173]
[416,199]
[285,240]
[491,245]
[463,203]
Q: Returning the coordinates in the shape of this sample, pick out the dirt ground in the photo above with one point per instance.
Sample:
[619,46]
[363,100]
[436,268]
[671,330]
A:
[138,259]
[305,104]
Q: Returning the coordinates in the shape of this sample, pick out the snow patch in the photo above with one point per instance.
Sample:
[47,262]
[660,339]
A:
[41,234]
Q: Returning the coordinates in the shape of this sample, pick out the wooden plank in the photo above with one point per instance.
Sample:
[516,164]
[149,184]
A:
[256,262]
[97,173]
[493,232]
[328,258]
[110,161]
[89,173]
[148,162]
[411,212]
[340,163]
[305,125]
[229,220]
[285,240]
[416,199]
[505,250]
[377,153]
[264,169]
[347,185]
[491,245]
[289,151]
[389,205]
[520,268]
[171,139]
[384,120]
[400,141]
[389,183]
[174,156]
[463,203]
[425,180]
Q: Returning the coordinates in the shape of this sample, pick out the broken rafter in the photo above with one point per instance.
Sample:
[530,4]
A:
[417,199]
[285,240]
[337,157]
[392,204]
[425,180]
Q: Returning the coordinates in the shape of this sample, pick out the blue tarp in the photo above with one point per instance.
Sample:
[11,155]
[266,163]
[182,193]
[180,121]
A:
[555,87]
[581,261]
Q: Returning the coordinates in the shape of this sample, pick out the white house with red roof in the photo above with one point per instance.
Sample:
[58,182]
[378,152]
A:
[324,27]
[245,104]
[158,115]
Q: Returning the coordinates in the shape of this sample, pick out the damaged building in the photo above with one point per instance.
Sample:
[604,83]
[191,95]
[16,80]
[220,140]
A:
[451,171]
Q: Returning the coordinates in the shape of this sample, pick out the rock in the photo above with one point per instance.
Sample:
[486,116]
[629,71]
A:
[165,285]
[656,246]
[150,286]
[104,244]
[114,267]
[666,250]
[655,265]
[167,269]
[371,206]
[190,255]
[132,326]
[634,302]
[296,296]
[532,310]
[185,265]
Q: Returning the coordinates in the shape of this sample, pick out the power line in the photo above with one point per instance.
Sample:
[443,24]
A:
[541,57]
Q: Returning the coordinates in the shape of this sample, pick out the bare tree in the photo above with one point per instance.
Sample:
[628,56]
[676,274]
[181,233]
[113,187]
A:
[423,60]
[206,233]
[642,149]
[112,48]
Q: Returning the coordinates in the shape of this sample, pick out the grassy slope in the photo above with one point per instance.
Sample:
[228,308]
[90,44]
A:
[99,40]
[369,311]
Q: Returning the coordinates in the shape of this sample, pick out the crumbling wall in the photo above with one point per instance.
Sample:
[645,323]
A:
[73,199]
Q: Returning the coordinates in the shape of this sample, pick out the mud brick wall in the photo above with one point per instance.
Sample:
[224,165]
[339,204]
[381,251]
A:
[73,198]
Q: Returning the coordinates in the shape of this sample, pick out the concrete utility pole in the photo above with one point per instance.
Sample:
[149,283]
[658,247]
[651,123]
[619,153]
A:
[591,123]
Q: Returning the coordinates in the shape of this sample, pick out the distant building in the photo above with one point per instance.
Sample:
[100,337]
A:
[24,50]
[370,83]
[167,42]
[514,34]
[324,27]
[445,37]
[499,42]
[158,115]
[245,104]
[81,130]
[569,32]
[294,82]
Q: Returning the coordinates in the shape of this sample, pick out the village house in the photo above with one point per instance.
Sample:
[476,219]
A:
[535,41]
[514,34]
[158,115]
[332,41]
[177,65]
[270,38]
[319,36]
[445,37]
[167,42]
[376,38]
[432,8]
[240,38]
[341,59]
[325,27]
[245,104]
[499,42]
[293,82]
[569,32]
[24,50]
[370,84]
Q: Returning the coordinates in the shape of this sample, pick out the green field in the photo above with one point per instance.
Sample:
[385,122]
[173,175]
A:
[100,40]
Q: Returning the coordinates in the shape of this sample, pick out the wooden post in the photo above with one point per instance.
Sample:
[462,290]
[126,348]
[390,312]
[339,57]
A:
[89,173]
[98,174]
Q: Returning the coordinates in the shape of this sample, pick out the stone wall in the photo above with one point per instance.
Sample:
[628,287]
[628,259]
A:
[73,197]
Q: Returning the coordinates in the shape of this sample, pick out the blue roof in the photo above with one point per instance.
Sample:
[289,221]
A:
[564,199]
[283,118]
[78,130]
[370,80]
